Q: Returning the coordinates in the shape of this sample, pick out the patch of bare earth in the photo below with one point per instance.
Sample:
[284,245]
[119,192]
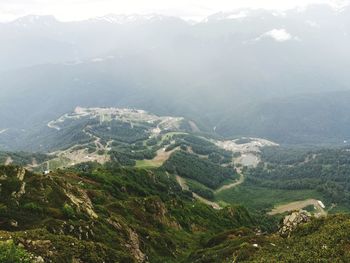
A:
[161,157]
[294,206]
[8,161]
[83,155]
[182,183]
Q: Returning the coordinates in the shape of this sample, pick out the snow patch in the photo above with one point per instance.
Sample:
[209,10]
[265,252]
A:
[126,19]
[240,15]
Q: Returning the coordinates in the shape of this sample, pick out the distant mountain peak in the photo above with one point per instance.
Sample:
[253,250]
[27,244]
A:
[45,20]
[130,19]
[241,14]
[234,15]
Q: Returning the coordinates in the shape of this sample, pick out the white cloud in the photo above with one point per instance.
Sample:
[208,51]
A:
[279,35]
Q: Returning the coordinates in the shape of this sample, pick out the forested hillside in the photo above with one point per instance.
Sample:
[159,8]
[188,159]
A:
[324,170]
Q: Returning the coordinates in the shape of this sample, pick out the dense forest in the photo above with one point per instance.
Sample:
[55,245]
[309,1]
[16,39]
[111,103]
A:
[199,169]
[23,158]
[201,146]
[326,170]
[121,131]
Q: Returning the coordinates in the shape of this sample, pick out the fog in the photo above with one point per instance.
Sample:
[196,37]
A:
[277,74]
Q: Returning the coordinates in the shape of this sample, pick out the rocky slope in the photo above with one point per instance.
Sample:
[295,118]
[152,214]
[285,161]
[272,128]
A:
[99,214]
[95,213]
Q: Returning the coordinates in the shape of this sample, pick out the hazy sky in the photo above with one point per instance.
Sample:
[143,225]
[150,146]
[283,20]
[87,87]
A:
[190,9]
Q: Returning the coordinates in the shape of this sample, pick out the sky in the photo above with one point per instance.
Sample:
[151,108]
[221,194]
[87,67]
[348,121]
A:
[67,10]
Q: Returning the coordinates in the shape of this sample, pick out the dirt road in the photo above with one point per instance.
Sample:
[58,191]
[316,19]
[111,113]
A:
[182,182]
[229,186]
[207,202]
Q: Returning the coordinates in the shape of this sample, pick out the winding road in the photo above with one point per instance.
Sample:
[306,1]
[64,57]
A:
[234,184]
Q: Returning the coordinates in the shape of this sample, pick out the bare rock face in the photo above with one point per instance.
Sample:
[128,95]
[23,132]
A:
[39,260]
[14,223]
[134,246]
[81,200]
[290,222]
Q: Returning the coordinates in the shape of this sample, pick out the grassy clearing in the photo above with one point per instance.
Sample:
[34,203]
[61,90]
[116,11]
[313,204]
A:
[280,209]
[147,164]
[338,209]
[260,198]
[157,161]
[169,135]
[162,155]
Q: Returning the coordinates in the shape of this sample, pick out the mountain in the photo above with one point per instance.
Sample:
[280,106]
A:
[316,118]
[213,72]
[131,19]
[142,217]
[138,187]
[148,138]
[129,215]
[94,127]
[313,241]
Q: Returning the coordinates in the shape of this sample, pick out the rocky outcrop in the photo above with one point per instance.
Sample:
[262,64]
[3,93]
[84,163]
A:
[134,246]
[81,200]
[81,230]
[21,173]
[133,242]
[157,208]
[42,247]
[291,222]
[20,192]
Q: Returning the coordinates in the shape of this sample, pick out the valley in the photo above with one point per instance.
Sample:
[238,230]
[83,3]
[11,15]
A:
[143,140]
[241,102]
[105,161]
[174,136]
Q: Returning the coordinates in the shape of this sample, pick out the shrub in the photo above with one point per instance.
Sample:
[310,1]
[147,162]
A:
[10,253]
[33,207]
[68,211]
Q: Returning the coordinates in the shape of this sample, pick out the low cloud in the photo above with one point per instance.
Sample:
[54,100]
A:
[279,35]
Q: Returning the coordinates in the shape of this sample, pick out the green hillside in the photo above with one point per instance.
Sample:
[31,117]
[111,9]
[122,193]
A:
[94,213]
[123,214]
